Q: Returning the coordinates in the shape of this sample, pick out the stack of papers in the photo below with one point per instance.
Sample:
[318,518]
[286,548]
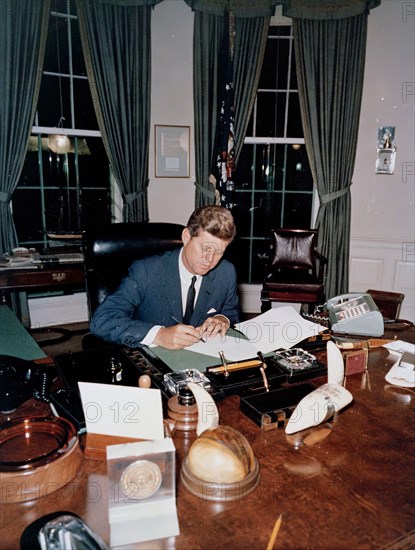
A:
[278,328]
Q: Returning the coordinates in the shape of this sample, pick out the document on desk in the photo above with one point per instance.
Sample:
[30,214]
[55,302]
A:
[278,328]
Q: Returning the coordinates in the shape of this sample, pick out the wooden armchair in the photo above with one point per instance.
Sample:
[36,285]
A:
[295,271]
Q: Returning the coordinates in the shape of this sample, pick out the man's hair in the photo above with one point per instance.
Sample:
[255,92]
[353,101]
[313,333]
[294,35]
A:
[216,220]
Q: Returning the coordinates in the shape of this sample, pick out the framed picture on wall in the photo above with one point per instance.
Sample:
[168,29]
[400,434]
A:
[172,145]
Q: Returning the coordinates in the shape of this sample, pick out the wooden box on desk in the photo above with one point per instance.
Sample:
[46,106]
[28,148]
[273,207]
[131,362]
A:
[355,361]
[96,444]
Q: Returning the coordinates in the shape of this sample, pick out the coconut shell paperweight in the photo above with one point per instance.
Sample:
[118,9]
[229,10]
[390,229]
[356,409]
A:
[220,464]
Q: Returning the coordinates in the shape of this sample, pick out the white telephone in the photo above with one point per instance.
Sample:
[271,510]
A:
[355,314]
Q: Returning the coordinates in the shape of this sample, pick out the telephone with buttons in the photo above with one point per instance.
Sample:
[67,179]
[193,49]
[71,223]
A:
[352,313]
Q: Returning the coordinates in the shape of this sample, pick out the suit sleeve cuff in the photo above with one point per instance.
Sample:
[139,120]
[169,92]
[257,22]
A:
[223,317]
[149,338]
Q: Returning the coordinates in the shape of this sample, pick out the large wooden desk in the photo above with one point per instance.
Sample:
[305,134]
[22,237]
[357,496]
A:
[355,489]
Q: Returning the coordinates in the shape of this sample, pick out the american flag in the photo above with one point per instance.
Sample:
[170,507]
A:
[225,148]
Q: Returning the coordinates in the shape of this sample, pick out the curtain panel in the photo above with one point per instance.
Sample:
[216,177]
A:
[330,57]
[251,31]
[116,41]
[23,30]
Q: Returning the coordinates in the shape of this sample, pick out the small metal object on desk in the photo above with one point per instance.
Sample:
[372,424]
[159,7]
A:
[224,363]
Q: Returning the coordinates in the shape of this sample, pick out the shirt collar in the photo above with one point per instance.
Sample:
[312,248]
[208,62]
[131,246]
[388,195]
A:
[185,275]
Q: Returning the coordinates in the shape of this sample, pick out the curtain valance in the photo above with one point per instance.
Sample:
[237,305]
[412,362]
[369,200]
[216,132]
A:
[300,9]
[326,9]
[131,3]
[240,8]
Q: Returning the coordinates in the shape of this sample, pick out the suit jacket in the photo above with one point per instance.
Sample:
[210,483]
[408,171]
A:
[151,295]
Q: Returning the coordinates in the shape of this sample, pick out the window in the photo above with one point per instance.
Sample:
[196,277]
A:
[65,182]
[273,181]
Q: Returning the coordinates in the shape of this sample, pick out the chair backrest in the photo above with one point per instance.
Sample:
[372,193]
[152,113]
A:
[110,250]
[292,248]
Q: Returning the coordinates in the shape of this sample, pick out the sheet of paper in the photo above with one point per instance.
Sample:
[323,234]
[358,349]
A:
[400,346]
[277,328]
[122,410]
[235,348]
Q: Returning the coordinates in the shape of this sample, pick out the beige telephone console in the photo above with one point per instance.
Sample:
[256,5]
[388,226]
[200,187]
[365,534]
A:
[355,313]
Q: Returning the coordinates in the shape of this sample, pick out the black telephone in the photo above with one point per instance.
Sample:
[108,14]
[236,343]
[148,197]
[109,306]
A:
[21,379]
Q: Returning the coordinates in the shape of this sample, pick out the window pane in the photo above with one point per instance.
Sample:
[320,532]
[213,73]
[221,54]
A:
[94,167]
[297,211]
[294,126]
[56,56]
[243,259]
[27,214]
[49,106]
[57,210]
[260,247]
[95,207]
[30,171]
[267,213]
[298,173]
[274,71]
[84,108]
[78,63]
[293,79]
[270,114]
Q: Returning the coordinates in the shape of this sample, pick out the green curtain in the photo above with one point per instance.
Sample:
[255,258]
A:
[330,56]
[251,28]
[250,42]
[207,35]
[116,41]
[23,29]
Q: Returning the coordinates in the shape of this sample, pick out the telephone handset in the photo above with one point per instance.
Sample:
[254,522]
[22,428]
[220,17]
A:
[353,313]
[21,379]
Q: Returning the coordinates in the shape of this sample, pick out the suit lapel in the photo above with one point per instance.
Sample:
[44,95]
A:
[172,286]
[207,288]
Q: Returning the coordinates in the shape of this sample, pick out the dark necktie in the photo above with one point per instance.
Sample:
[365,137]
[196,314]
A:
[190,301]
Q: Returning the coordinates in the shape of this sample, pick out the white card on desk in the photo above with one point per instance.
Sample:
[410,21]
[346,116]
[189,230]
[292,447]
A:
[122,410]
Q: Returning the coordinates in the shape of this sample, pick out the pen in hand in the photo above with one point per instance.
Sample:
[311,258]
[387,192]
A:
[180,323]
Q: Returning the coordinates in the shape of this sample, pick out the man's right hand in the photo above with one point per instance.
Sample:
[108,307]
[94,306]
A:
[177,337]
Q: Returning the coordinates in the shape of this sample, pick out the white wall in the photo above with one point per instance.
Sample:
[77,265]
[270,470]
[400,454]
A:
[172,199]
[382,228]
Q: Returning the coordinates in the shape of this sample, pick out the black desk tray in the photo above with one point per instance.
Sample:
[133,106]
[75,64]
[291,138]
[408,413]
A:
[250,380]
[272,410]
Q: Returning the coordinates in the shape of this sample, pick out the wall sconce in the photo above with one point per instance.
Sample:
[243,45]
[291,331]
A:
[386,152]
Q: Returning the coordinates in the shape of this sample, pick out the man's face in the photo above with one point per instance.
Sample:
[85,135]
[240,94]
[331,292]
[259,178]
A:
[202,253]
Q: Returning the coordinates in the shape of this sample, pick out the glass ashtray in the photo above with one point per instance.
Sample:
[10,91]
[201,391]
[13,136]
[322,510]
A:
[27,443]
[295,359]
[175,380]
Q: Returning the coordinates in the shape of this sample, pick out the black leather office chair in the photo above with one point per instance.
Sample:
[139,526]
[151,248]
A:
[109,251]
[295,270]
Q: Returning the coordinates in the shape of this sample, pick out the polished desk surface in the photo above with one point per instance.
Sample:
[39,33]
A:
[354,489]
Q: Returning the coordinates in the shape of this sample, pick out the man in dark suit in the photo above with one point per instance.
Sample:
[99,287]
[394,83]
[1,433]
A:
[154,305]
